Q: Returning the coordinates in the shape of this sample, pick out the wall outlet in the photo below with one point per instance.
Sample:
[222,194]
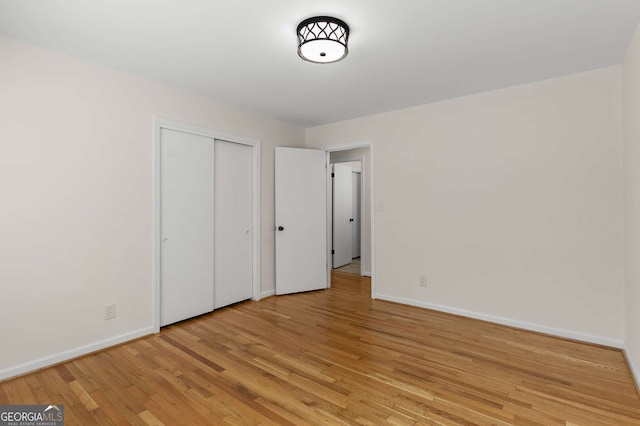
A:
[109,312]
[423,281]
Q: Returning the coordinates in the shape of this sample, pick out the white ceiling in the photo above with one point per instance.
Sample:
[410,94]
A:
[403,53]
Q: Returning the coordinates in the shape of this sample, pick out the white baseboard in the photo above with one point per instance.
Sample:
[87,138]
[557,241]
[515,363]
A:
[506,321]
[73,353]
[366,273]
[267,293]
[632,367]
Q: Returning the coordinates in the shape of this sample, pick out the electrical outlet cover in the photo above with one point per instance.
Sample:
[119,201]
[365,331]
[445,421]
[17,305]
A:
[109,312]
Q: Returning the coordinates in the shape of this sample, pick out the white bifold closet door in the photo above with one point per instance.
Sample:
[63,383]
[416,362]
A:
[205,223]
[233,223]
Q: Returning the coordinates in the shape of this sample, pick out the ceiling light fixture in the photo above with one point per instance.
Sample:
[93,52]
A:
[323,39]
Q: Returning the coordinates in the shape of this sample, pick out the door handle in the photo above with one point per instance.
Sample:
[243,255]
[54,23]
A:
[280,228]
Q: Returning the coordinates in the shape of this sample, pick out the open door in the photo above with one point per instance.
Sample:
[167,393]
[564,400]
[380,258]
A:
[357,214]
[342,215]
[301,220]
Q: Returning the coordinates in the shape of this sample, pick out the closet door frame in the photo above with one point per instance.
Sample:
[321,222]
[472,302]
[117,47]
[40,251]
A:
[165,123]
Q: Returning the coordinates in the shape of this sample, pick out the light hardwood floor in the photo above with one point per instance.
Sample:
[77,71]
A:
[350,268]
[337,357]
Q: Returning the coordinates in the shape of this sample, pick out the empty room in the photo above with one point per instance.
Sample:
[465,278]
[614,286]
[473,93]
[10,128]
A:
[294,212]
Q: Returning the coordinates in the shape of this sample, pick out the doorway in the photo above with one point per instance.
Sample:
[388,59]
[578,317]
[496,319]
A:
[362,152]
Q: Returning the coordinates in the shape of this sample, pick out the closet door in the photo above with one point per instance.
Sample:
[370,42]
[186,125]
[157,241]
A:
[186,225]
[233,223]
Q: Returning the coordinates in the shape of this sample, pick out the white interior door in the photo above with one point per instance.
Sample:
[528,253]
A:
[233,223]
[357,212]
[301,220]
[186,225]
[342,215]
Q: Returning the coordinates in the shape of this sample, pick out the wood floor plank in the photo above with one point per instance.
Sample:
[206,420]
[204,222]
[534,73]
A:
[338,357]
[150,419]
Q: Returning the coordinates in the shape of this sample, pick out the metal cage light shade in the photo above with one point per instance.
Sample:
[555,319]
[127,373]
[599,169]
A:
[323,39]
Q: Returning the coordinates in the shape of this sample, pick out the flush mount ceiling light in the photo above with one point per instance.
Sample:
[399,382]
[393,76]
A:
[323,39]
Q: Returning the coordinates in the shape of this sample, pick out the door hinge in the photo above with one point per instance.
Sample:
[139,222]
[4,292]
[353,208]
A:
[333,175]
[333,252]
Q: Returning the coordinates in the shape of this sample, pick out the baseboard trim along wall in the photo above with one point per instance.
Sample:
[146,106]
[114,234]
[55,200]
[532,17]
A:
[634,372]
[366,273]
[506,321]
[50,360]
[267,293]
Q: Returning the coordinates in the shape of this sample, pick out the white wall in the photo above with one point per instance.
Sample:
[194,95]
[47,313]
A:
[75,208]
[355,166]
[631,71]
[510,202]
[356,154]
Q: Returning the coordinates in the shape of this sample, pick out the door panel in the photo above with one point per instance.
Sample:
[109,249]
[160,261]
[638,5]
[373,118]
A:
[357,212]
[186,225]
[233,223]
[301,211]
[342,215]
